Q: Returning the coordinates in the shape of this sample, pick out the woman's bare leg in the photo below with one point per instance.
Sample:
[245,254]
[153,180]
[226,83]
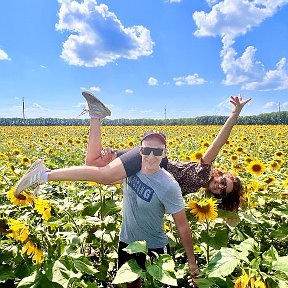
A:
[94,147]
[112,173]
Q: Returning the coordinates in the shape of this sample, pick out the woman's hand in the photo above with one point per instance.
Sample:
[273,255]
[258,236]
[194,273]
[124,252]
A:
[238,103]
[107,154]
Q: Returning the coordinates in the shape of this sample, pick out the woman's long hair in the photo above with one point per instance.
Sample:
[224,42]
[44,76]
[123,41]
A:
[231,201]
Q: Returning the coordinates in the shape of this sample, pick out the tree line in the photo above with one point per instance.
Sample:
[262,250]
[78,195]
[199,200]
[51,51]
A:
[273,118]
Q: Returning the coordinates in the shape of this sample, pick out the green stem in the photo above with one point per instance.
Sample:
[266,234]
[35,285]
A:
[208,248]
[77,229]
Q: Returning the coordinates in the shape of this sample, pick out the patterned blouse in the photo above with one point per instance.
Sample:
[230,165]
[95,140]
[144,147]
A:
[191,176]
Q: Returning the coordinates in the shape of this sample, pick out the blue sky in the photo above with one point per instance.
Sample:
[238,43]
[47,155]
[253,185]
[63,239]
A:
[142,56]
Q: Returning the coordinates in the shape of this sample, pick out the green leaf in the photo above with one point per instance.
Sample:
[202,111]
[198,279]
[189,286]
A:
[128,272]
[62,275]
[6,272]
[204,282]
[163,270]
[269,256]
[31,281]
[83,267]
[281,265]
[219,240]
[137,247]
[224,263]
[248,245]
[91,209]
[281,233]
[281,211]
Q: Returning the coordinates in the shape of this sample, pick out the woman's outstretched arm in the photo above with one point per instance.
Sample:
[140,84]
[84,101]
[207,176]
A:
[214,148]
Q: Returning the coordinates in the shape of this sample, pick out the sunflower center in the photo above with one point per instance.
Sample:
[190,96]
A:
[256,168]
[204,208]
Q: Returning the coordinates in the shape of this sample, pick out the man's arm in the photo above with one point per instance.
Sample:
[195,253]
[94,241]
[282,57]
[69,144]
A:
[214,148]
[184,233]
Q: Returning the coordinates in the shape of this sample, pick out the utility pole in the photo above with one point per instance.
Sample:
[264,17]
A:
[23,107]
[279,119]
[165,113]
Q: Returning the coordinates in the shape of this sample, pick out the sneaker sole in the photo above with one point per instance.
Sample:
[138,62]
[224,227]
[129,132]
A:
[90,98]
[35,164]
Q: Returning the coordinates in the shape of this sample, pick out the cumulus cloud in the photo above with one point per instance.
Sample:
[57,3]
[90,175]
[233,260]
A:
[4,55]
[129,91]
[189,80]
[97,36]
[250,73]
[229,19]
[269,105]
[95,88]
[152,81]
[234,17]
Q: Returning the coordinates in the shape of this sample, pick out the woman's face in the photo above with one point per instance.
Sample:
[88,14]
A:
[221,185]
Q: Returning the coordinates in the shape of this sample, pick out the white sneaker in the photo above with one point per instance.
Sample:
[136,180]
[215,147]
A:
[96,108]
[34,175]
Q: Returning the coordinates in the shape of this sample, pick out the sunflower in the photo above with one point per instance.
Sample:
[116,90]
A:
[279,154]
[285,184]
[234,158]
[239,150]
[43,207]
[242,281]
[25,160]
[274,165]
[196,156]
[248,159]
[19,231]
[16,152]
[28,198]
[203,210]
[256,168]
[269,180]
[33,251]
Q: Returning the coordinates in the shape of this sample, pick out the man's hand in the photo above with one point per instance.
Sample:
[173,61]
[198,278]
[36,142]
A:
[194,273]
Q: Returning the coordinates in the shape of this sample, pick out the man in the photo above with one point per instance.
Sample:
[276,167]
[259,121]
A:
[148,195]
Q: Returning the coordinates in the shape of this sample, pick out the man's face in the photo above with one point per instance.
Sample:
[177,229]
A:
[151,162]
[221,185]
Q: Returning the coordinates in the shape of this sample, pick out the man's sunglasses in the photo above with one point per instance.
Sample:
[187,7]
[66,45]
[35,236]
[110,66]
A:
[147,150]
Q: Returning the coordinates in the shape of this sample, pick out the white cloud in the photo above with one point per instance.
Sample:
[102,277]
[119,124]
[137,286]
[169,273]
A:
[249,72]
[230,19]
[189,80]
[284,105]
[269,105]
[129,91]
[175,1]
[234,17]
[4,55]
[152,81]
[42,66]
[98,36]
[95,88]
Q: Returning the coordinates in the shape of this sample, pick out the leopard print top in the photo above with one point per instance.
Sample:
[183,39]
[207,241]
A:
[191,176]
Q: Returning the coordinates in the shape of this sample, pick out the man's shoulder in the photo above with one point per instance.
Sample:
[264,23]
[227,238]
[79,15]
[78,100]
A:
[169,179]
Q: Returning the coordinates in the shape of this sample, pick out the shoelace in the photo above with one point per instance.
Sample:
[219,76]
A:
[84,111]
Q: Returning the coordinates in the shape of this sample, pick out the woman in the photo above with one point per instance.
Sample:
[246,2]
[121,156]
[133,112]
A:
[108,166]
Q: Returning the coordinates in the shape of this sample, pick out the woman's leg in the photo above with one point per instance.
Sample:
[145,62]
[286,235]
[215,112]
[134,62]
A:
[112,173]
[94,147]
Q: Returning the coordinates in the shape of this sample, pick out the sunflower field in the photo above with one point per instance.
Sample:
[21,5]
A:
[67,234]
